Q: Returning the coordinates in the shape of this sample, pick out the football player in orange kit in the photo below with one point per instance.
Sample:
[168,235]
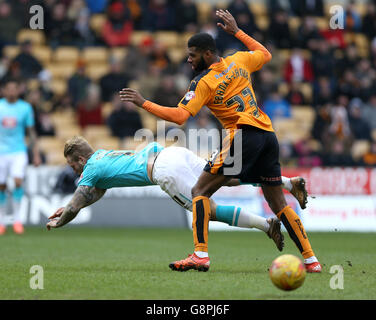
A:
[250,150]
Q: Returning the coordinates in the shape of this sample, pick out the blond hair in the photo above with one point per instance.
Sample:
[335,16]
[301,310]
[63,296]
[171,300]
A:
[77,146]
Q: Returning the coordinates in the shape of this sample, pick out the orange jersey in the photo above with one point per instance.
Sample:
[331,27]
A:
[226,89]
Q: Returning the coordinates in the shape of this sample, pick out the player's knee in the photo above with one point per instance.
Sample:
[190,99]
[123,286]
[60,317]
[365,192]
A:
[198,191]
[277,205]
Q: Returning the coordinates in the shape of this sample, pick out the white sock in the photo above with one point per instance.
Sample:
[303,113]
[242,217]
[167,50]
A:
[16,206]
[310,260]
[286,183]
[250,220]
[201,254]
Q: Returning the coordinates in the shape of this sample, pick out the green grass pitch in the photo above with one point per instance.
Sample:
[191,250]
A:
[117,263]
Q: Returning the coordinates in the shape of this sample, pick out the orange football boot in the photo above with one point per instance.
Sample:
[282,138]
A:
[314,267]
[192,262]
[18,228]
[2,229]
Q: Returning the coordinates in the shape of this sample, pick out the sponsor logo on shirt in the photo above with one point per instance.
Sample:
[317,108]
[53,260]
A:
[189,95]
[9,123]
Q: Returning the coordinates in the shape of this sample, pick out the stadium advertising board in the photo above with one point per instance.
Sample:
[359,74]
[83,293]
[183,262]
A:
[344,200]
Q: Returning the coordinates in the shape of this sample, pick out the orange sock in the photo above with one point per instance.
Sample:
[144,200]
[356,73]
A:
[295,228]
[200,223]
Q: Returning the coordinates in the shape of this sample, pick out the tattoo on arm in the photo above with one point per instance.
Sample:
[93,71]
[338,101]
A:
[83,197]
[32,138]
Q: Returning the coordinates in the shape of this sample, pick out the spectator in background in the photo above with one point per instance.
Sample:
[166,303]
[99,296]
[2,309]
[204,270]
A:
[323,92]
[369,158]
[9,25]
[245,20]
[83,34]
[323,61]
[366,77]
[244,17]
[348,85]
[44,125]
[307,156]
[113,81]
[339,126]
[279,30]
[75,8]
[89,111]
[118,28]
[135,8]
[67,181]
[159,56]
[4,66]
[125,119]
[350,58]
[138,58]
[359,127]
[286,153]
[311,8]
[277,107]
[29,65]
[298,68]
[308,34]
[78,84]
[276,64]
[373,53]
[266,83]
[150,81]
[295,96]
[320,128]
[338,154]
[166,93]
[369,21]
[21,9]
[353,21]
[186,16]
[369,112]
[159,16]
[276,5]
[96,6]
[58,28]
[14,72]
[44,80]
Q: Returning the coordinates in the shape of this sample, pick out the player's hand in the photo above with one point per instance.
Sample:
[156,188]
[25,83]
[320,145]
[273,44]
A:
[57,213]
[230,25]
[52,224]
[131,95]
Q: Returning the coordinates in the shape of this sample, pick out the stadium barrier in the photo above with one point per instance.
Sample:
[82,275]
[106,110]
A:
[344,200]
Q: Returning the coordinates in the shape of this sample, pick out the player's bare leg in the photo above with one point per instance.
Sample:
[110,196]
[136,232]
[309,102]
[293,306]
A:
[277,202]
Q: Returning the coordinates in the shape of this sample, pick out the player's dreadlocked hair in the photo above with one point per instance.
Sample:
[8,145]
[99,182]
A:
[77,146]
[202,41]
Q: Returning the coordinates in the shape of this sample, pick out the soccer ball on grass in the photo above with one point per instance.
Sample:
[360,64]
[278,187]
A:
[287,272]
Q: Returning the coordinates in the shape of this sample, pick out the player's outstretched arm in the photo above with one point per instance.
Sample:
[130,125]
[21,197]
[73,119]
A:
[172,114]
[230,26]
[83,197]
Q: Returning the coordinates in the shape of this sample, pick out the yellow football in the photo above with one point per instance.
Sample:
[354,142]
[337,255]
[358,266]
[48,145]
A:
[287,272]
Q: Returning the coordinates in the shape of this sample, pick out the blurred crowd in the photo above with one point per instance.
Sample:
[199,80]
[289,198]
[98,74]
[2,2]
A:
[340,77]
